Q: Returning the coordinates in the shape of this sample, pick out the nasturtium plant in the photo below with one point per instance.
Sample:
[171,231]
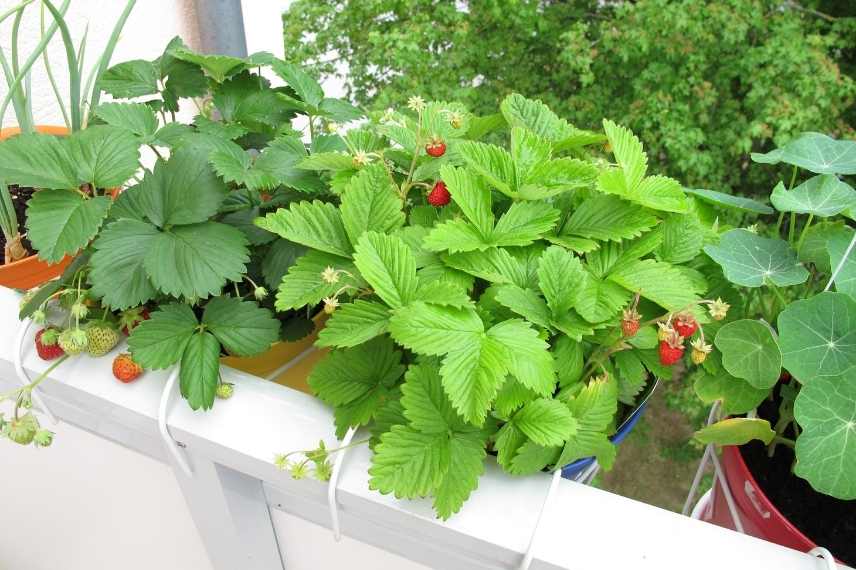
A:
[796,336]
[510,299]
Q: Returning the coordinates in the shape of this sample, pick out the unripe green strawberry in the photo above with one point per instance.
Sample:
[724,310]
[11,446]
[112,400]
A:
[73,341]
[24,429]
[102,338]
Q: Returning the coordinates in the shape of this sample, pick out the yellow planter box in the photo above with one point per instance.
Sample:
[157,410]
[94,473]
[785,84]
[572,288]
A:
[286,363]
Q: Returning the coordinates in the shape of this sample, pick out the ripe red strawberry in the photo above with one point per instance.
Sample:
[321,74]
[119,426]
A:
[686,325]
[630,322]
[125,369]
[46,344]
[669,353]
[436,147]
[439,196]
[130,318]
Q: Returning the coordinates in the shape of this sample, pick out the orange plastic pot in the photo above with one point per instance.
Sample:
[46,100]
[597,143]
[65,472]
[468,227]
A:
[285,363]
[31,271]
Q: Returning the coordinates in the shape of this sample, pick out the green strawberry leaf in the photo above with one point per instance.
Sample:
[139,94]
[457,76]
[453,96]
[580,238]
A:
[159,341]
[472,195]
[129,79]
[346,375]
[472,375]
[750,351]
[435,329]
[456,236]
[826,448]
[118,275]
[181,190]
[818,338]
[303,285]
[61,222]
[631,159]
[494,264]
[316,224]
[535,116]
[242,327]
[388,265]
[39,161]
[200,370]
[354,323]
[217,67]
[466,465]
[546,422]
[304,85]
[594,409]
[492,163]
[658,281]
[532,458]
[138,118]
[196,261]
[683,238]
[556,176]
[106,157]
[598,300]
[524,223]
[327,161]
[560,274]
[526,355]
[823,195]
[605,217]
[410,463]
[750,260]
[525,302]
[425,403]
[371,204]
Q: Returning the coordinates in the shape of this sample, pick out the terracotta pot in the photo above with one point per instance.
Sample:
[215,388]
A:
[759,516]
[31,271]
[286,363]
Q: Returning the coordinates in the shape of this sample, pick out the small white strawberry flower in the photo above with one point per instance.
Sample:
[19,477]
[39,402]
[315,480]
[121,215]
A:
[416,103]
[330,275]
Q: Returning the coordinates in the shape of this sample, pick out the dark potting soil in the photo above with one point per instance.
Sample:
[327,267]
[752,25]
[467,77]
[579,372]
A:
[20,197]
[827,521]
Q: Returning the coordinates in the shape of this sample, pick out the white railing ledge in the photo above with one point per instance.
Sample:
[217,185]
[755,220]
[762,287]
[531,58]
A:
[583,527]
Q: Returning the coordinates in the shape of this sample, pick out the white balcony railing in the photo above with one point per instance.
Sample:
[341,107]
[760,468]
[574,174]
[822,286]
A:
[234,484]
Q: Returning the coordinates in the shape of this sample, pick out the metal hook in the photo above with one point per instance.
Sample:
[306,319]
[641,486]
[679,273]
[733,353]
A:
[276,373]
[23,377]
[334,483]
[530,550]
[169,442]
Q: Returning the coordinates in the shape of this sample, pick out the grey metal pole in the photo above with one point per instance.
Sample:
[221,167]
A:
[220,24]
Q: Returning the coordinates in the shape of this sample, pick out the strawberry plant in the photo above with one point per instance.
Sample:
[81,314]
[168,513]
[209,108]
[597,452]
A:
[489,299]
[791,277]
[176,256]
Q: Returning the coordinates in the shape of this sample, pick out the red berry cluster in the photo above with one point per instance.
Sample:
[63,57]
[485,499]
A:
[672,335]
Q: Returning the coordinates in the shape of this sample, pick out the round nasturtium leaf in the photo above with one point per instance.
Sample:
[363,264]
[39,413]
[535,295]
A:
[750,260]
[815,152]
[736,431]
[826,448]
[750,351]
[817,337]
[823,195]
[737,396]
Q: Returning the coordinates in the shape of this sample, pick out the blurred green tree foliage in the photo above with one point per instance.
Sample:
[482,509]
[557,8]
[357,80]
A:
[703,83]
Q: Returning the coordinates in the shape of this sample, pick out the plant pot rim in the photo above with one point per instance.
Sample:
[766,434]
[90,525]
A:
[737,456]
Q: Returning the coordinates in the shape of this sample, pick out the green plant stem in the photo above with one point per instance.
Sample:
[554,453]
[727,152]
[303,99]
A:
[311,130]
[73,73]
[778,294]
[793,178]
[107,54]
[804,232]
[37,51]
[43,376]
[50,74]
[791,228]
[779,223]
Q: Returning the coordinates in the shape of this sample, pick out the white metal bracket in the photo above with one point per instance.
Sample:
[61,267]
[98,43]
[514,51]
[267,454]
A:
[530,549]
[334,483]
[168,441]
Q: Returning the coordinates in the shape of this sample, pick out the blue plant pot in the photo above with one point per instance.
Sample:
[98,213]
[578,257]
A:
[572,470]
